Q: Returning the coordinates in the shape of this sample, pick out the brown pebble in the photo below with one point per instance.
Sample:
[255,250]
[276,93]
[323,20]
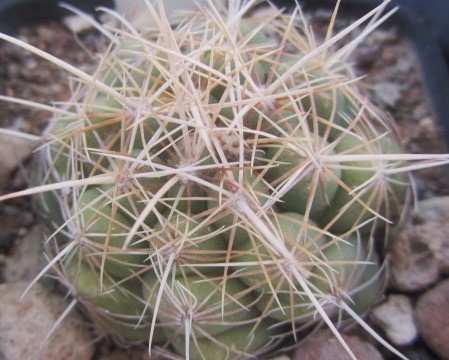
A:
[323,345]
[432,315]
[25,324]
[420,249]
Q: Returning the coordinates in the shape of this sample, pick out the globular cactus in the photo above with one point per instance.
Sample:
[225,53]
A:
[220,185]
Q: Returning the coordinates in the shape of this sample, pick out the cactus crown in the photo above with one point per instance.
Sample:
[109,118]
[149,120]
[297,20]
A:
[219,184]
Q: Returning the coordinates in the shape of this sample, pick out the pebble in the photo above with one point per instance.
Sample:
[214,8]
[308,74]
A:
[420,249]
[395,316]
[413,263]
[387,93]
[77,24]
[25,324]
[323,345]
[432,314]
[14,150]
[433,219]
[26,259]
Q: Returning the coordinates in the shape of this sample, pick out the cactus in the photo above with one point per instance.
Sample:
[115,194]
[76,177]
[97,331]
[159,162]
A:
[219,185]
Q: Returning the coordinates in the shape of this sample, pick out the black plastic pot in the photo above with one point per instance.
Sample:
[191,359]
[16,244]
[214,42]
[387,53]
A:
[16,13]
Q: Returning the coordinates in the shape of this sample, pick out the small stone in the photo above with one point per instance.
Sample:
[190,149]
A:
[405,64]
[27,259]
[395,316]
[420,249]
[433,217]
[14,150]
[432,314]
[323,345]
[413,263]
[24,325]
[387,93]
[77,24]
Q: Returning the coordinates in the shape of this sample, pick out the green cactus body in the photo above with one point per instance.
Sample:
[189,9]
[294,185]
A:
[212,187]
[241,342]
[107,231]
[194,305]
[349,270]
[127,190]
[348,208]
[327,106]
[290,160]
[221,61]
[128,70]
[117,306]
[228,222]
[341,268]
[195,248]
[299,237]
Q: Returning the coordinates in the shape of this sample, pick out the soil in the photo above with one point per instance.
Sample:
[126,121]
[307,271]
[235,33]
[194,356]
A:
[392,80]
